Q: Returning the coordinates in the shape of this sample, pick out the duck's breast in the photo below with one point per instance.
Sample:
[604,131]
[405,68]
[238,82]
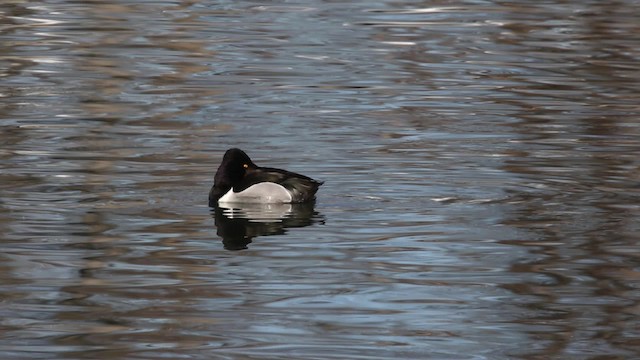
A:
[265,192]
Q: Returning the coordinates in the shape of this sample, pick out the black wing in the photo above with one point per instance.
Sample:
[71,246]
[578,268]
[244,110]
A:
[303,188]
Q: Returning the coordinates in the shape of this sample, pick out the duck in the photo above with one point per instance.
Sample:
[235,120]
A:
[240,180]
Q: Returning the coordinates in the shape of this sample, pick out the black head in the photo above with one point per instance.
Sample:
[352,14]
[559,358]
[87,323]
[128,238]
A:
[237,161]
[233,168]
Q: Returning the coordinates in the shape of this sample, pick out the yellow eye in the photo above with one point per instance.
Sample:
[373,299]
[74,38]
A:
[246,166]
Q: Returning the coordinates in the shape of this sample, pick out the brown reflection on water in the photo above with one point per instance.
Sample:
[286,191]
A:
[579,197]
[570,159]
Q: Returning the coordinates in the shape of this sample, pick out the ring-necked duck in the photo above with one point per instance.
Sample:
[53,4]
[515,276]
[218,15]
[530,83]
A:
[239,180]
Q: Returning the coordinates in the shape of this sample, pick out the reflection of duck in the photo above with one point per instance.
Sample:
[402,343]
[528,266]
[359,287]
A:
[238,225]
[239,180]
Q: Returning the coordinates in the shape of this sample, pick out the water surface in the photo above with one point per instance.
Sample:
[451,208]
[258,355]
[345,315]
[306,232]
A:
[481,197]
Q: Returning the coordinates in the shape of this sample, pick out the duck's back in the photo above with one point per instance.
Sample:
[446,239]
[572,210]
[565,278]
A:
[301,188]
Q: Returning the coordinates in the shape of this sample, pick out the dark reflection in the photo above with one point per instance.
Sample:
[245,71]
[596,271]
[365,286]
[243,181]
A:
[238,225]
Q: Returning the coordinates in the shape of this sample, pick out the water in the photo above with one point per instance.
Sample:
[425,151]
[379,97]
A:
[481,196]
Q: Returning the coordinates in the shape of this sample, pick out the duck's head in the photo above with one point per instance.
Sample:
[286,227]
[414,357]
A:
[235,164]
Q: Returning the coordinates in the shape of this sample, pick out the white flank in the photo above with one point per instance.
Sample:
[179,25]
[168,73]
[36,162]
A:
[265,192]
